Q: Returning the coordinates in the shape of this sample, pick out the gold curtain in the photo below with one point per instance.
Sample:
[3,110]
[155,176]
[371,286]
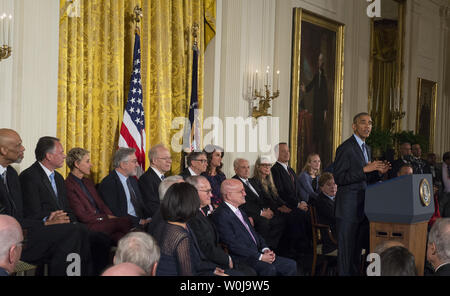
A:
[384,54]
[95,64]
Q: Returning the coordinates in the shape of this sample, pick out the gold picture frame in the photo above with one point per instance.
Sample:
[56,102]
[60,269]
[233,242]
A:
[426,110]
[318,43]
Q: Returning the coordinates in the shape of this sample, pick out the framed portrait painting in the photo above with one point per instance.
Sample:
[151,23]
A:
[426,110]
[316,88]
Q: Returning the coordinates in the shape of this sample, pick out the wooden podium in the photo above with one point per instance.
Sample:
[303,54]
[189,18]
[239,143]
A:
[399,209]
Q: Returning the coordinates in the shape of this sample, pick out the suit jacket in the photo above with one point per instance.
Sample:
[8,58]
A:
[149,184]
[325,211]
[235,235]
[202,264]
[208,239]
[351,180]
[185,173]
[84,210]
[286,187]
[39,198]
[112,192]
[444,270]
[305,188]
[253,203]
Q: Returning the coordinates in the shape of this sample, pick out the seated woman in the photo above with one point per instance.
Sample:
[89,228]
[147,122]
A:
[84,200]
[178,247]
[324,204]
[271,221]
[214,173]
[308,180]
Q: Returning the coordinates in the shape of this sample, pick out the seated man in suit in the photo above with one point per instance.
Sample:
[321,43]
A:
[298,230]
[197,163]
[420,165]
[262,208]
[50,242]
[324,204]
[160,163]
[438,248]
[120,190]
[45,199]
[206,233]
[11,240]
[405,158]
[236,232]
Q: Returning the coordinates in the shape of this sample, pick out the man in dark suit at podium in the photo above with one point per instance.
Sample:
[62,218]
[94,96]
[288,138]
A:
[353,170]
[438,249]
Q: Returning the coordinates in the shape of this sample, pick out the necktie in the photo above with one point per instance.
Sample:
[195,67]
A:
[134,200]
[364,149]
[251,187]
[4,181]
[162,177]
[52,180]
[239,215]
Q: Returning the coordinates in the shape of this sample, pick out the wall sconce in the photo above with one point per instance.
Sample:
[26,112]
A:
[5,39]
[263,96]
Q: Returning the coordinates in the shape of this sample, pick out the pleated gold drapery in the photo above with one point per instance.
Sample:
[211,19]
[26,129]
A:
[95,63]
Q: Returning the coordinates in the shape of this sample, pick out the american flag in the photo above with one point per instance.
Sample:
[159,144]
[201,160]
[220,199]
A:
[132,131]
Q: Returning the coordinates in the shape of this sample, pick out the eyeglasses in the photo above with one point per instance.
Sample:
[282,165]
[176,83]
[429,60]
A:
[207,191]
[201,160]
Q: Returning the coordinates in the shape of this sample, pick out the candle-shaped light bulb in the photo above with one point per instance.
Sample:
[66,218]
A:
[9,30]
[278,80]
[267,75]
[2,30]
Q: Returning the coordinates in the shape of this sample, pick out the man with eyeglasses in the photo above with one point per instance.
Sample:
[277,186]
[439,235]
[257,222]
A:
[241,239]
[160,163]
[197,164]
[207,235]
[11,239]
[120,190]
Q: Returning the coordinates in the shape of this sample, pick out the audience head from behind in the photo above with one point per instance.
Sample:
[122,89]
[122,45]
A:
[242,168]
[124,269]
[50,153]
[431,158]
[160,158]
[11,240]
[233,192]
[214,156]
[125,162]
[327,184]
[138,248]
[384,245]
[79,162]
[203,189]
[282,152]
[197,162]
[397,261]
[446,158]
[166,183]
[180,203]
[438,248]
[405,169]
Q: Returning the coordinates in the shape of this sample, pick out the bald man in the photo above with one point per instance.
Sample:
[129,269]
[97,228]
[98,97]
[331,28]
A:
[48,242]
[11,239]
[124,269]
[242,241]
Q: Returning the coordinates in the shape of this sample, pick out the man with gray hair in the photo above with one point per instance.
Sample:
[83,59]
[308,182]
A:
[438,248]
[160,163]
[11,239]
[120,190]
[139,248]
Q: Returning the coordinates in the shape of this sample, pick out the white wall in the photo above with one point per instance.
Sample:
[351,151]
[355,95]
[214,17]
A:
[29,78]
